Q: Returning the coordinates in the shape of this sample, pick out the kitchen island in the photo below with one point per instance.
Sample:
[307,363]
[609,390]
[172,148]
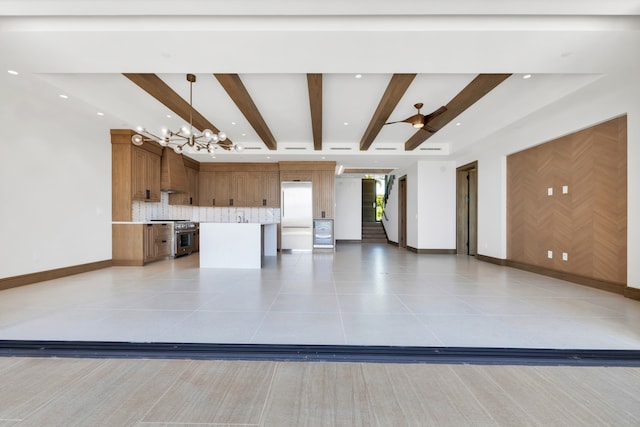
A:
[236,244]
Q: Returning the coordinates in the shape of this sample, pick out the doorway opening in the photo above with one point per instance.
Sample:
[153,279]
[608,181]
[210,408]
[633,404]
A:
[373,196]
[467,209]
[373,201]
[402,212]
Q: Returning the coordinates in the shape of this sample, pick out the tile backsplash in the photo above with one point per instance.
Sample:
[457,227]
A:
[145,211]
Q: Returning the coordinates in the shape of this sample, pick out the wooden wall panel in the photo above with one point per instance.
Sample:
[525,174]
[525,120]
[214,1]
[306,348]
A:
[589,222]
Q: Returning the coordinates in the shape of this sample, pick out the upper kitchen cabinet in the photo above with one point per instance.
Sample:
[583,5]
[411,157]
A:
[322,177]
[145,174]
[135,173]
[239,185]
[213,188]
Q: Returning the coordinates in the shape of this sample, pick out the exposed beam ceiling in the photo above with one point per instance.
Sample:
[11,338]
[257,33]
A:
[314,83]
[240,96]
[396,88]
[479,87]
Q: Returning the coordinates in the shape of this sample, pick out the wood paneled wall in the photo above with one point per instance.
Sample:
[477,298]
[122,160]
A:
[589,222]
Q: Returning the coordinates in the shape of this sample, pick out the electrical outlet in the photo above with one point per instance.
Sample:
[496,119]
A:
[565,189]
[550,254]
[565,256]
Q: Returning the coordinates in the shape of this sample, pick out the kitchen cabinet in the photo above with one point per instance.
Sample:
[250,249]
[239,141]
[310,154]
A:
[145,175]
[264,189]
[139,244]
[241,187]
[323,193]
[135,173]
[214,189]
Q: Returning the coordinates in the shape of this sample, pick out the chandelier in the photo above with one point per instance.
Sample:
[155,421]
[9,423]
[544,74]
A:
[186,138]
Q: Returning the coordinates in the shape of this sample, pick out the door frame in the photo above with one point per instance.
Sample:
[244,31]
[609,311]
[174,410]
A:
[402,212]
[467,213]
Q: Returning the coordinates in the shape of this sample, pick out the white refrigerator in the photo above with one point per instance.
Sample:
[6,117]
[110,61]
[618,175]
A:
[296,216]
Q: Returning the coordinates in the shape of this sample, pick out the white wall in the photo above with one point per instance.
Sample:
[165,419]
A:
[436,205]
[348,212]
[604,99]
[55,180]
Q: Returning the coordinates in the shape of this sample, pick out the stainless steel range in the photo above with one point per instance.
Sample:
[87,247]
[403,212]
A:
[184,236]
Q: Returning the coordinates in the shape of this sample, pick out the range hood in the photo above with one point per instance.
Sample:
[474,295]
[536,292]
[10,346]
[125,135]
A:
[173,177]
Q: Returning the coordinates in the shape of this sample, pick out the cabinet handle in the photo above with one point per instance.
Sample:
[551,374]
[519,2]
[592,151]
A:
[264,202]
[164,241]
[190,200]
[230,202]
[147,194]
[214,201]
[322,214]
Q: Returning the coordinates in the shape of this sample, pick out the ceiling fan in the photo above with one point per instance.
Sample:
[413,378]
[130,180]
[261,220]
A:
[419,121]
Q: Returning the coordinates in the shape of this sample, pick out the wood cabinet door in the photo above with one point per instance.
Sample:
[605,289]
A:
[145,175]
[238,191]
[323,194]
[138,174]
[192,185]
[149,243]
[272,180]
[222,183]
[206,188]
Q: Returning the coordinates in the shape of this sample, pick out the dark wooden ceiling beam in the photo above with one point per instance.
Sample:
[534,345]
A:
[239,94]
[314,82]
[396,88]
[479,87]
[154,86]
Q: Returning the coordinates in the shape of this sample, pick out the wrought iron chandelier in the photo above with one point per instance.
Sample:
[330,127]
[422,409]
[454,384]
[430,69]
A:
[186,138]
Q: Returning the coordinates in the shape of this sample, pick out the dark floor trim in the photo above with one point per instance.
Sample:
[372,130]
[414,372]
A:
[633,293]
[492,260]
[603,285]
[432,251]
[41,276]
[320,353]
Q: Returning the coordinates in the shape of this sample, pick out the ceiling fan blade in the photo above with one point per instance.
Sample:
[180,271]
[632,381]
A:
[435,113]
[412,119]
[429,129]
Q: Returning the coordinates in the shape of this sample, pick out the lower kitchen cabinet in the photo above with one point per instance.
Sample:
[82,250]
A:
[139,244]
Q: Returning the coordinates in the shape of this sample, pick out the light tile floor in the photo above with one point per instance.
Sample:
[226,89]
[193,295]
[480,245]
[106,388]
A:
[361,294]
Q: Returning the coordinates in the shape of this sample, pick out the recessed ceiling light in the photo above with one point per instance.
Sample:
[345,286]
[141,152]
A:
[233,123]
[358,76]
[268,157]
[526,76]
[346,123]
[244,134]
[458,123]
[323,157]
[139,128]
[100,114]
[63,96]
[12,72]
[168,116]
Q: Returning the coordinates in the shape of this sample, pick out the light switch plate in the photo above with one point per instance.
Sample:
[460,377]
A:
[565,256]
[565,189]
[549,254]
[550,191]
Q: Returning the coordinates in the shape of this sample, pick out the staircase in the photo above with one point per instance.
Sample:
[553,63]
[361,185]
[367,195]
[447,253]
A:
[373,232]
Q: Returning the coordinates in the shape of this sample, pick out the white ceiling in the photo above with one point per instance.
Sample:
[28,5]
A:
[80,48]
